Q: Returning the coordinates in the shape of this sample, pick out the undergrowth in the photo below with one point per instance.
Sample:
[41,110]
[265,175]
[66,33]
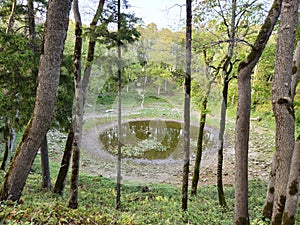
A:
[142,203]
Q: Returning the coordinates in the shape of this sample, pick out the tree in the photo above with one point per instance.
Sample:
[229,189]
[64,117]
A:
[118,187]
[187,85]
[49,70]
[245,68]
[73,202]
[292,193]
[282,103]
[60,181]
[210,79]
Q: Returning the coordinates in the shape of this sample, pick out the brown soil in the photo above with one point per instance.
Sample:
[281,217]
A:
[96,161]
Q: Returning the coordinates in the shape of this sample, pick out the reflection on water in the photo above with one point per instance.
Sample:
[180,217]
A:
[151,139]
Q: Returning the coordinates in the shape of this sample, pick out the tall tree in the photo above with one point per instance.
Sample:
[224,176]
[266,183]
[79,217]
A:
[55,33]
[282,103]
[73,202]
[292,192]
[187,84]
[93,34]
[245,68]
[118,197]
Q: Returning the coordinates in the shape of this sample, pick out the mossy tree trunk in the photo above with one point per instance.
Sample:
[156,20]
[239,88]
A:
[73,201]
[292,192]
[187,99]
[211,78]
[199,147]
[56,27]
[241,215]
[282,103]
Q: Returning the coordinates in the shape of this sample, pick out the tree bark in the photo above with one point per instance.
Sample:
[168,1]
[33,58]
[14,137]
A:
[60,182]
[6,135]
[119,177]
[73,201]
[282,103]
[11,19]
[46,179]
[199,147]
[292,192]
[241,215]
[201,134]
[31,23]
[55,33]
[65,164]
[187,84]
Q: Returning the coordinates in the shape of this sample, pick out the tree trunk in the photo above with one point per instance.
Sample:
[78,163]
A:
[221,195]
[31,23]
[46,180]
[187,84]
[73,201]
[227,68]
[199,147]
[65,163]
[60,182]
[6,135]
[241,215]
[283,104]
[119,177]
[11,19]
[55,33]
[292,192]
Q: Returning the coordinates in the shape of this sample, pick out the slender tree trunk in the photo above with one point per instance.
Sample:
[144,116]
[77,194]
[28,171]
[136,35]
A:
[241,215]
[55,33]
[65,163]
[73,201]
[60,182]
[292,192]
[7,136]
[221,195]
[199,147]
[119,177]
[283,104]
[186,163]
[31,23]
[227,67]
[11,19]
[46,179]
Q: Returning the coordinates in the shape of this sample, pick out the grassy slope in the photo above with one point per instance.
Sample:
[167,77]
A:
[160,205]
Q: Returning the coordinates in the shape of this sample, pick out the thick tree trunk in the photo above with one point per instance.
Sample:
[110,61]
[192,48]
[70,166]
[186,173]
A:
[241,215]
[65,164]
[46,179]
[73,201]
[187,84]
[283,104]
[55,33]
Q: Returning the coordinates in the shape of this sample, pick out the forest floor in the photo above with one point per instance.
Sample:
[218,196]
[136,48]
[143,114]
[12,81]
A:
[96,161]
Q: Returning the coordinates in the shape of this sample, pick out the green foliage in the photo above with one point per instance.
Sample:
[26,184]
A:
[141,204]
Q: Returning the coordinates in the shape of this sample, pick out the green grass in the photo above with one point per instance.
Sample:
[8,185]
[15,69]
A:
[161,204]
